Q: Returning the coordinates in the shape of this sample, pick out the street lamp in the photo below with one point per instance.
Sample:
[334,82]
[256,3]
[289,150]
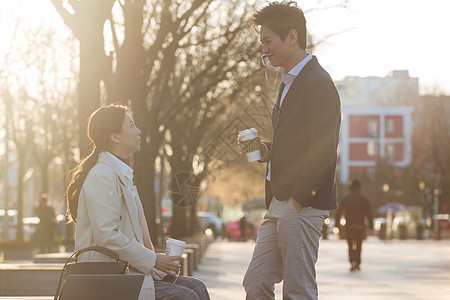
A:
[436,193]
[422,186]
[385,189]
[389,219]
[423,196]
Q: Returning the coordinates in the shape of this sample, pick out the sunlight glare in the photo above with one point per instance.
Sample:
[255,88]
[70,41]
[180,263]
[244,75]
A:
[29,12]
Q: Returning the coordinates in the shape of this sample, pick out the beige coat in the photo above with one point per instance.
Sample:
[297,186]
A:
[106,219]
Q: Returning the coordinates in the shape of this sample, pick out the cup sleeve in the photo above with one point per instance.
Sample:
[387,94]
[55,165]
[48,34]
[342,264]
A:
[266,156]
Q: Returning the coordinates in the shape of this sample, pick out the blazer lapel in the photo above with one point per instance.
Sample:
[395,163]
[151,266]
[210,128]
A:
[296,85]
[276,108]
[127,195]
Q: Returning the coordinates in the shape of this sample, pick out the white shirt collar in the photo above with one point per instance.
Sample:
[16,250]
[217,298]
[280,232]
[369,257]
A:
[123,167]
[289,77]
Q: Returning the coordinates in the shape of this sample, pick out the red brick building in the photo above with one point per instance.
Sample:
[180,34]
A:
[372,133]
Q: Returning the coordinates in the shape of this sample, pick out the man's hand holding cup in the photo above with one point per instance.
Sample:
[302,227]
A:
[250,145]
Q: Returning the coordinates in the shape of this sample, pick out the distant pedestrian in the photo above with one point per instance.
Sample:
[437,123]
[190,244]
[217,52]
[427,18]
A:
[46,228]
[356,209]
[243,227]
[324,231]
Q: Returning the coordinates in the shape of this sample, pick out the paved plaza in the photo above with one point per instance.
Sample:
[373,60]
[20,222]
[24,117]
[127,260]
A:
[408,269]
[411,269]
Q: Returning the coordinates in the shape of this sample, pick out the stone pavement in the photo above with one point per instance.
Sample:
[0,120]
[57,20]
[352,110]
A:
[409,269]
[416,270]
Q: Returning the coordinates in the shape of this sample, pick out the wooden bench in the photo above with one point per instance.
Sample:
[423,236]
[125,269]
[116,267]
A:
[29,279]
[27,298]
[188,262]
[49,258]
[196,249]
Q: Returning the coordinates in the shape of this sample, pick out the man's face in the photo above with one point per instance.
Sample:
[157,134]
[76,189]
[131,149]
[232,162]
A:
[276,50]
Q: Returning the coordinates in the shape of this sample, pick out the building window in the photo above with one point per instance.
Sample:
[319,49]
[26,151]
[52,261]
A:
[390,124]
[371,149]
[390,152]
[372,128]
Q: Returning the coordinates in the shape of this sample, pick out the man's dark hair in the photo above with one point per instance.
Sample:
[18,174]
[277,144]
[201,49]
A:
[280,17]
[355,185]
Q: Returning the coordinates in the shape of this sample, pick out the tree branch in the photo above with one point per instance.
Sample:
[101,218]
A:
[67,17]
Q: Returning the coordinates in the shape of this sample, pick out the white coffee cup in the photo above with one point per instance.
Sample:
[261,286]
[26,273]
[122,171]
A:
[175,248]
[249,138]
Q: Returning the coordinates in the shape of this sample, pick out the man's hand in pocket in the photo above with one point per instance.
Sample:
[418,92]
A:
[296,204]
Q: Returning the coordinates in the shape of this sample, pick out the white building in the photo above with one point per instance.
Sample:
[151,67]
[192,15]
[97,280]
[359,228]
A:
[376,122]
[397,88]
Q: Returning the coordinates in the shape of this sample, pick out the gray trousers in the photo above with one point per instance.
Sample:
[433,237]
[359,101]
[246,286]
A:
[286,249]
[185,288]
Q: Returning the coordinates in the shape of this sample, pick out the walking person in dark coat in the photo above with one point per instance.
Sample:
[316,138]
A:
[47,225]
[243,227]
[356,208]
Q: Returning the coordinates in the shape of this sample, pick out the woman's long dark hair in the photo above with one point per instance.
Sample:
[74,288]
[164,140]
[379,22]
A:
[101,124]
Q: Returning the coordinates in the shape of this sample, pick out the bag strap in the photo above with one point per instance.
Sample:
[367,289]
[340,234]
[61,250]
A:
[103,250]
[74,256]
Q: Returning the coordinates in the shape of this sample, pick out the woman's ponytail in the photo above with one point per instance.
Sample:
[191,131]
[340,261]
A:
[79,174]
[102,123]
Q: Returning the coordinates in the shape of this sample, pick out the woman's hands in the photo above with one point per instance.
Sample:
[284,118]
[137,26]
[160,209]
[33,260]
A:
[167,265]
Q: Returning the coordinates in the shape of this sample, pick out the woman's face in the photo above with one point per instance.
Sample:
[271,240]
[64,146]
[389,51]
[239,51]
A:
[129,137]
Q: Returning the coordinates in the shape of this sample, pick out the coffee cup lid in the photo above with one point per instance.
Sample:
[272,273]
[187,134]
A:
[176,242]
[247,132]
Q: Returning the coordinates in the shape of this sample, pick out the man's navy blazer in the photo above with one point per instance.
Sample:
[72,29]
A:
[303,151]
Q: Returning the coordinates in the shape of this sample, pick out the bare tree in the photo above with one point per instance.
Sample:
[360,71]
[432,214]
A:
[86,19]
[180,75]
[39,85]
[181,66]
[431,144]
[21,132]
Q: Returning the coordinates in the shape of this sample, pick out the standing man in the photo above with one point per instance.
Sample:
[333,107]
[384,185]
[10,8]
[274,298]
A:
[356,208]
[47,225]
[300,182]
[243,227]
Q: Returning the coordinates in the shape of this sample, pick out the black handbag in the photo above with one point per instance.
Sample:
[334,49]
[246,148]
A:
[72,266]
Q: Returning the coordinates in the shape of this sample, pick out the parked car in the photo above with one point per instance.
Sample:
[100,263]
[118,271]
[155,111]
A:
[233,231]
[11,215]
[209,223]
[29,225]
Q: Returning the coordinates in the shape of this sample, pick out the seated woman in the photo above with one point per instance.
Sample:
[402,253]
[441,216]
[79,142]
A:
[105,205]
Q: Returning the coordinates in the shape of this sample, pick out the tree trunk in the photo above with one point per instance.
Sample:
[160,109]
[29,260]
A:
[181,214]
[91,56]
[45,181]
[87,25]
[20,174]
[145,182]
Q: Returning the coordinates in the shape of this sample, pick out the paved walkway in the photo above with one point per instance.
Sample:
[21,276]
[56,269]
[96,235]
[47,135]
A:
[415,270]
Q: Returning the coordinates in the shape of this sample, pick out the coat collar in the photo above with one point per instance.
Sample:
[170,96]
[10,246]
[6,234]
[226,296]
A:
[114,163]
[120,168]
